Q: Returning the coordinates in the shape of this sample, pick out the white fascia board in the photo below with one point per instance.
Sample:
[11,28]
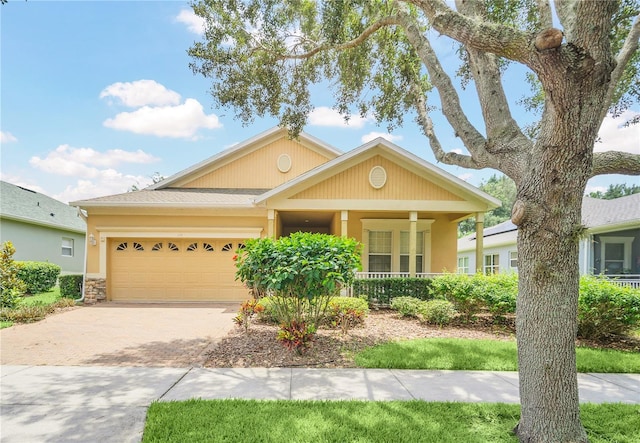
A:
[378,205]
[41,223]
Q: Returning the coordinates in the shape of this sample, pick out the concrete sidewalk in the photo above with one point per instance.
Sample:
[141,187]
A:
[108,404]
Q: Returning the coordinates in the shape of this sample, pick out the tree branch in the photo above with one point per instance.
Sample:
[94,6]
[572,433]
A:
[450,158]
[615,162]
[629,47]
[386,21]
[502,129]
[497,39]
[451,108]
[545,19]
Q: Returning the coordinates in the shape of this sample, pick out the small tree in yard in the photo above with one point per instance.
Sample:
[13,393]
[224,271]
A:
[264,56]
[11,287]
[301,272]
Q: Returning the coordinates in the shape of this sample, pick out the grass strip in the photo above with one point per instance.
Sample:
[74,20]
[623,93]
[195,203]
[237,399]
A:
[481,355]
[361,421]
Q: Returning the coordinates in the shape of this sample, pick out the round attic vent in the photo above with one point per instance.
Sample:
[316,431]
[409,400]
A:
[377,177]
[284,163]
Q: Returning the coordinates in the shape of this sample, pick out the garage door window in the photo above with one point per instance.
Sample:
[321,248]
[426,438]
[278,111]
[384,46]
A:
[157,247]
[173,247]
[192,247]
[228,247]
[138,246]
[207,247]
[122,246]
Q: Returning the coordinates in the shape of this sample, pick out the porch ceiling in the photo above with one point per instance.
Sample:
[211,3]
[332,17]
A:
[306,218]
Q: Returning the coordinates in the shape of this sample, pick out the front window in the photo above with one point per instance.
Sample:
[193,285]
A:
[67,247]
[380,251]
[513,259]
[491,264]
[463,265]
[404,251]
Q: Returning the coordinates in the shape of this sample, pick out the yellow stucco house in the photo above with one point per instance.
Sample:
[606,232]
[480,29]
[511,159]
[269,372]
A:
[174,241]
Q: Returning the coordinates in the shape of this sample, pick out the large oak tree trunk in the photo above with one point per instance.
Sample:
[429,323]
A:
[548,212]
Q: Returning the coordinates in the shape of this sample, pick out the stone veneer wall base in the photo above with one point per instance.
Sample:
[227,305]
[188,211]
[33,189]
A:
[95,290]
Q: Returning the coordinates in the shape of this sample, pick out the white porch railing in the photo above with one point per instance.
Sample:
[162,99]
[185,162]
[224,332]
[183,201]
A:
[631,280]
[362,275]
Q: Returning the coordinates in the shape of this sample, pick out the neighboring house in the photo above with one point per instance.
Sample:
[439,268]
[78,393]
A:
[42,228]
[175,240]
[611,245]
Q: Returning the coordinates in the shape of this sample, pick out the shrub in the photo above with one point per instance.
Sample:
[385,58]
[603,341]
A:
[302,272]
[498,292]
[296,336]
[605,308]
[347,312]
[459,290]
[71,285]
[26,313]
[406,306]
[38,276]
[437,312]
[11,287]
[380,291]
[247,310]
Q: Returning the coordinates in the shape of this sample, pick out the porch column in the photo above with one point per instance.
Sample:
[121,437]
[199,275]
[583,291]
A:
[344,219]
[271,221]
[479,241]
[413,224]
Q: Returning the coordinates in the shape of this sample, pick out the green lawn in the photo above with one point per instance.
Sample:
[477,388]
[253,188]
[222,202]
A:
[47,298]
[482,355]
[360,421]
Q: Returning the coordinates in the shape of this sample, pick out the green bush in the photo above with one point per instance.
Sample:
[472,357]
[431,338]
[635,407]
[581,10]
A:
[605,308]
[38,276]
[71,285]
[26,313]
[406,306]
[347,312]
[498,292]
[437,312]
[380,291]
[459,290]
[11,287]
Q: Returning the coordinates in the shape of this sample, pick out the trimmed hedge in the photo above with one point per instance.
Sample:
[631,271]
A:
[71,285]
[38,276]
[380,291]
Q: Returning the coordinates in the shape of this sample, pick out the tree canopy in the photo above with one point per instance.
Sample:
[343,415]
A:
[616,191]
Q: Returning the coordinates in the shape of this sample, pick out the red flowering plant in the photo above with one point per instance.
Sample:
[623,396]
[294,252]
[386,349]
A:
[247,310]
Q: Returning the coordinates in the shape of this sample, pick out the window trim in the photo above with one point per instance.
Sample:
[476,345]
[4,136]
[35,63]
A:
[626,241]
[464,269]
[494,266]
[71,248]
[511,259]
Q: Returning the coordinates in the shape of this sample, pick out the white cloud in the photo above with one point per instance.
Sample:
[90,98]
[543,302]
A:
[589,189]
[181,121]
[457,151]
[7,137]
[324,116]
[195,23]
[465,177]
[20,181]
[373,135]
[85,162]
[108,182]
[141,93]
[616,137]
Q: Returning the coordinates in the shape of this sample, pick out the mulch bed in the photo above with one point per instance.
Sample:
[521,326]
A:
[333,349]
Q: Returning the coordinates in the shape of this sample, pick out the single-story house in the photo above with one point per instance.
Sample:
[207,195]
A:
[42,228]
[611,245]
[174,241]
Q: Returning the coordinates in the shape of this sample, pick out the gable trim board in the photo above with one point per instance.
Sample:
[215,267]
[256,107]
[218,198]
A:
[171,210]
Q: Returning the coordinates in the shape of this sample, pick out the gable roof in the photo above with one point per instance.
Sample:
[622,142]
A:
[389,149]
[243,148]
[24,205]
[598,215]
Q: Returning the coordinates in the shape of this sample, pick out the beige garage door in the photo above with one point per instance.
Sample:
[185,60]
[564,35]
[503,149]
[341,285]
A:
[173,270]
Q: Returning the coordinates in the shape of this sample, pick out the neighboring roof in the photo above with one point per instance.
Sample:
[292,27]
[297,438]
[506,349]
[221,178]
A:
[597,215]
[22,204]
[247,145]
[425,168]
[177,197]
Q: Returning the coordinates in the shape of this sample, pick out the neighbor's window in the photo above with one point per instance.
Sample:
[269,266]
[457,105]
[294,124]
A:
[67,247]
[380,251]
[513,259]
[404,251]
[463,265]
[491,264]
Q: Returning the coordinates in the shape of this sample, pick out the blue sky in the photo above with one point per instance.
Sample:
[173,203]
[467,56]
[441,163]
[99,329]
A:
[97,96]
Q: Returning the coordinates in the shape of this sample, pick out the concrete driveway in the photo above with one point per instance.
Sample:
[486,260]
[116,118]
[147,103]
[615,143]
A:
[114,334]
